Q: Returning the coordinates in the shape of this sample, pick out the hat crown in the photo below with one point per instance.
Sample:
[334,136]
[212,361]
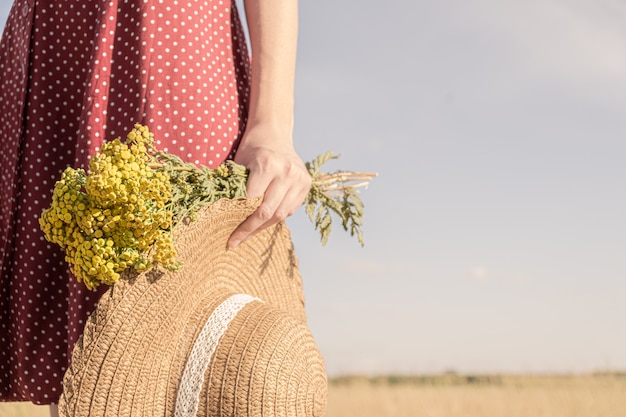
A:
[137,344]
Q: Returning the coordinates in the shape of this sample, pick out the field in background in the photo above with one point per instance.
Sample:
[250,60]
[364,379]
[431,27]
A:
[23,410]
[597,395]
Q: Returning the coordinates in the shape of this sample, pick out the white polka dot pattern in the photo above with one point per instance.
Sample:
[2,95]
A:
[73,73]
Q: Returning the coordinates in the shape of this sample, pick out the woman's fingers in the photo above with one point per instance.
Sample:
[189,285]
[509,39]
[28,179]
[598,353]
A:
[284,188]
[268,213]
[276,172]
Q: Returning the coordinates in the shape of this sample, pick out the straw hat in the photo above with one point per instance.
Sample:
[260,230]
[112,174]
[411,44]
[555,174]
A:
[224,336]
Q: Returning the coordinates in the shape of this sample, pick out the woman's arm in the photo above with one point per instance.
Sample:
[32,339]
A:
[266,148]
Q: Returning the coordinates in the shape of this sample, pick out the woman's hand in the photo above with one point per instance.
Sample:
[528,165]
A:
[277,173]
[266,148]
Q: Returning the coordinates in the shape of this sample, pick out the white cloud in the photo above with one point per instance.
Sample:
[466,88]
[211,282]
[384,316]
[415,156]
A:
[479,273]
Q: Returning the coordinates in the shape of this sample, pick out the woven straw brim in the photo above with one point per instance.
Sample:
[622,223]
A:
[154,347]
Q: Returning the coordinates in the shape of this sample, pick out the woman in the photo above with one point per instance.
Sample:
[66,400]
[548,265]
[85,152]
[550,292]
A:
[73,74]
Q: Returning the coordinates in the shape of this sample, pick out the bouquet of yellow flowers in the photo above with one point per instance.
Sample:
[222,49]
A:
[120,214]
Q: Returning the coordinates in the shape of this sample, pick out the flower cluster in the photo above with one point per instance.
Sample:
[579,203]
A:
[121,214]
[115,217]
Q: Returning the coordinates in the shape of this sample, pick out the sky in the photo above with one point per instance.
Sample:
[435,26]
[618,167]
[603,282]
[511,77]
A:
[495,232]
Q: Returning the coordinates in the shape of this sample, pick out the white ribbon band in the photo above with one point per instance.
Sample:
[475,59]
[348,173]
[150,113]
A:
[204,347]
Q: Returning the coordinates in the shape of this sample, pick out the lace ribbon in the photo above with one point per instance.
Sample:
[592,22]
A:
[188,396]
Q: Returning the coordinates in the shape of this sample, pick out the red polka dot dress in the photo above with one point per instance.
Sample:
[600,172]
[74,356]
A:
[72,74]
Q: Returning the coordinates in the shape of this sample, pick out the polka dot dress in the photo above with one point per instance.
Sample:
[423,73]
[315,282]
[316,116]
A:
[72,74]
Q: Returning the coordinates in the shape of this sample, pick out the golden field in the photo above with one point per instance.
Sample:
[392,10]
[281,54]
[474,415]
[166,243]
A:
[597,395]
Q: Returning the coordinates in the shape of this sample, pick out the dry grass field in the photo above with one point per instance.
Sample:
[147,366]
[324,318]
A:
[599,395]
[499,396]
[23,410]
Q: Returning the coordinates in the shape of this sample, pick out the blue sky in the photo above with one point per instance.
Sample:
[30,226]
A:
[495,232]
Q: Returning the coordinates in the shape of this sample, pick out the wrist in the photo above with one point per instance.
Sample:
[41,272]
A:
[267,132]
[272,111]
